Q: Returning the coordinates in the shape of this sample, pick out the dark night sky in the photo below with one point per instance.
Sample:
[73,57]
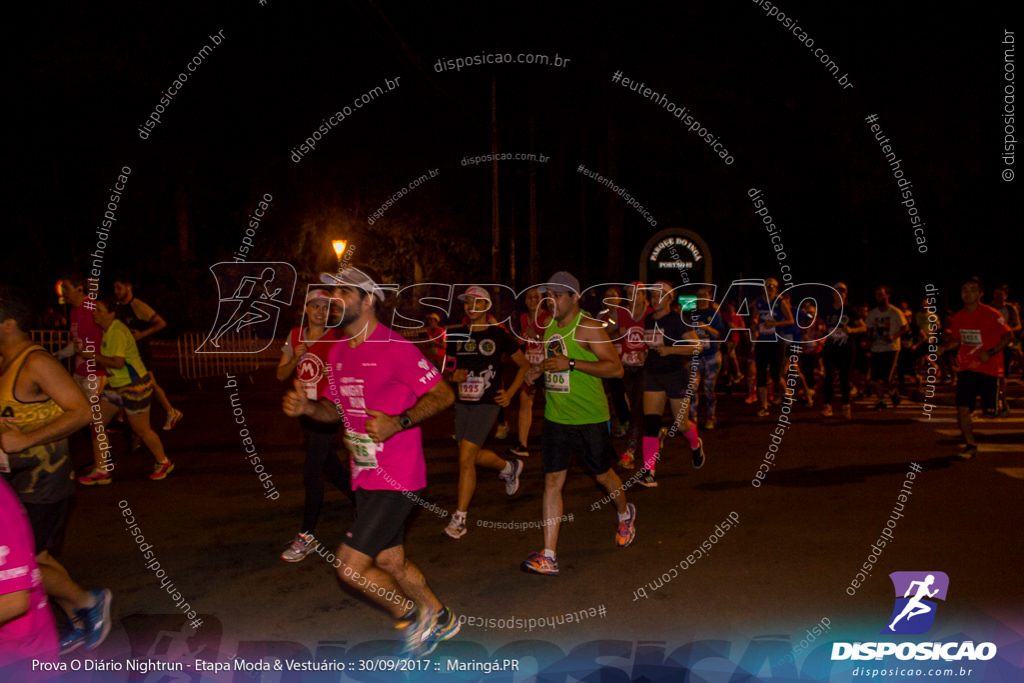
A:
[86,76]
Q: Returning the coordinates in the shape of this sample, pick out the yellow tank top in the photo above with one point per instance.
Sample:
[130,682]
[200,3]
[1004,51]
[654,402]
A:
[40,474]
[28,416]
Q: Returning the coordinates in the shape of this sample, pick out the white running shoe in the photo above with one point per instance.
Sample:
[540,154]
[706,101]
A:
[301,546]
[173,418]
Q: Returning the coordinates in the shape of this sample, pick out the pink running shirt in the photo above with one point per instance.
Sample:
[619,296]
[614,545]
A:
[86,331]
[32,635]
[389,374]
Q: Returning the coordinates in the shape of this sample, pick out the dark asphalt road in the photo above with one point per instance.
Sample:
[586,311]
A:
[801,539]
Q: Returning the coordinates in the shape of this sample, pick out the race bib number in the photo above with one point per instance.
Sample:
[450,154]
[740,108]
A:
[534,356]
[363,451]
[655,337]
[970,337]
[472,389]
[765,329]
[557,382]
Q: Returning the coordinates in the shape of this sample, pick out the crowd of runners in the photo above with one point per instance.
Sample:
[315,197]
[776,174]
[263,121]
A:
[607,368]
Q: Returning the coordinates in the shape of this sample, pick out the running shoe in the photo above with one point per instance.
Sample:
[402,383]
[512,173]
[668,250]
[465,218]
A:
[445,627]
[173,418]
[736,380]
[626,532]
[826,411]
[810,398]
[519,451]
[647,479]
[969,451]
[301,546]
[96,477]
[71,638]
[880,405]
[854,392]
[710,424]
[777,401]
[847,413]
[512,478]
[895,398]
[502,433]
[96,619]
[626,459]
[414,633]
[456,527]
[751,398]
[698,455]
[621,430]
[1004,410]
[539,563]
[161,470]
[762,411]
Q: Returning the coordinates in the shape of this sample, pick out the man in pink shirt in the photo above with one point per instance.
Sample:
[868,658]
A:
[85,334]
[27,630]
[382,386]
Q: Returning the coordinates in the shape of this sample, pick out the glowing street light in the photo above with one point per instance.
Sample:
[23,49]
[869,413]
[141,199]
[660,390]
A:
[339,247]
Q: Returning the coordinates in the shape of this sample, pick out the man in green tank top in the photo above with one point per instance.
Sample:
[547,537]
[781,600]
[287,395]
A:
[578,354]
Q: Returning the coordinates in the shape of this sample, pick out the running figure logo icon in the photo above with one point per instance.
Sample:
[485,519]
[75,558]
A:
[250,297]
[916,592]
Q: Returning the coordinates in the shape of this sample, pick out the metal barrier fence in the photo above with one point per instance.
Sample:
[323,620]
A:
[240,355]
[53,341]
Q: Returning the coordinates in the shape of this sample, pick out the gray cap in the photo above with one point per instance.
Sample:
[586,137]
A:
[560,282]
[353,277]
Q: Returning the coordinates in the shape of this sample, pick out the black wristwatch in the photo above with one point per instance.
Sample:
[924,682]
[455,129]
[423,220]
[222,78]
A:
[572,364]
[405,420]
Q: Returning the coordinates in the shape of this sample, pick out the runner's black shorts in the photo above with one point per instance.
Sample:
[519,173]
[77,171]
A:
[48,521]
[674,383]
[971,384]
[591,442]
[380,519]
[882,365]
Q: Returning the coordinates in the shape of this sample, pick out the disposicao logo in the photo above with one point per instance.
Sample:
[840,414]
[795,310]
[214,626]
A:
[914,613]
[916,592]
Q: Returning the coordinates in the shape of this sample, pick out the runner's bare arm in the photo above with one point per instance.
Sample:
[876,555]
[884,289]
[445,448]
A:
[156,324]
[591,335]
[13,605]
[504,396]
[41,377]
[295,404]
[684,347]
[381,426]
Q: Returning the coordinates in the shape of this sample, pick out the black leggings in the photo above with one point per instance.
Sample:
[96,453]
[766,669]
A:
[838,357]
[321,459]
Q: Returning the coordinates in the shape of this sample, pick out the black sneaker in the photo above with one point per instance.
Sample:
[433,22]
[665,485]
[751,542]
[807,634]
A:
[880,405]
[698,455]
[647,480]
[895,397]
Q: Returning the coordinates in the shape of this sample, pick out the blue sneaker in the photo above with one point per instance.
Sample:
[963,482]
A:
[414,632]
[96,619]
[71,638]
[445,627]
